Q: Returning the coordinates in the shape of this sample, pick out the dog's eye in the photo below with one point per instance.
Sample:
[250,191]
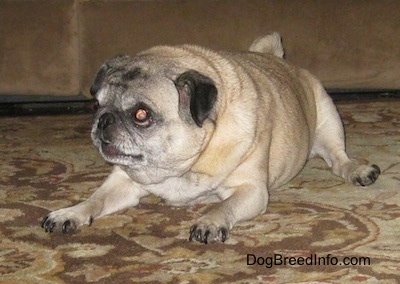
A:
[141,117]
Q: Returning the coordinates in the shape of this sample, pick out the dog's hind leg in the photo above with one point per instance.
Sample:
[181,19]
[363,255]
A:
[329,143]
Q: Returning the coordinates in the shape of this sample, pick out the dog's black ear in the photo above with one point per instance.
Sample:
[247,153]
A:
[196,93]
[98,81]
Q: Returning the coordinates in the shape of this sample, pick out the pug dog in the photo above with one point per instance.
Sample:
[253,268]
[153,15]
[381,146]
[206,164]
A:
[192,125]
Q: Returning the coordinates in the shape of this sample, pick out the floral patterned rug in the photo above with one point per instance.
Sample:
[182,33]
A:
[317,229]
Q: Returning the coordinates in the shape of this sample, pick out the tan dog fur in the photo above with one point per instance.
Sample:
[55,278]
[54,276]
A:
[269,117]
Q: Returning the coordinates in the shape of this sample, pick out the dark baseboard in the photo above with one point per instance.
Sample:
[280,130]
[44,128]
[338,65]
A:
[85,106]
[364,95]
[46,108]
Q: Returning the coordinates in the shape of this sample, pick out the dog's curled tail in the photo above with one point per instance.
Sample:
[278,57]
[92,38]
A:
[271,43]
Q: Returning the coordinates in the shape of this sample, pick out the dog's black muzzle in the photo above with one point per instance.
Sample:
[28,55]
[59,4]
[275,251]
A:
[105,121]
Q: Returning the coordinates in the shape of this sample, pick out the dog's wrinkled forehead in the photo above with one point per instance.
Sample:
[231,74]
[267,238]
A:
[116,73]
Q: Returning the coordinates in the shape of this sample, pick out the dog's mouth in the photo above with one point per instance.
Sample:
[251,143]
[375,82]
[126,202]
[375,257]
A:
[114,155]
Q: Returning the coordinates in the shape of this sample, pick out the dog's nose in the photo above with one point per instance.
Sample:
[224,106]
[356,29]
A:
[106,120]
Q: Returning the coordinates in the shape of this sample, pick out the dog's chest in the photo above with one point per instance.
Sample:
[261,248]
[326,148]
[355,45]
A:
[187,190]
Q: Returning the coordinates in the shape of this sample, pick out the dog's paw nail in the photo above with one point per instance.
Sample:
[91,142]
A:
[48,225]
[43,222]
[366,175]
[91,220]
[51,224]
[359,181]
[224,234]
[205,234]
[194,233]
[377,170]
[66,226]
[197,234]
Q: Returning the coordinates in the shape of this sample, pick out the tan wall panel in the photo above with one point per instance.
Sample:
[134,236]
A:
[54,47]
[38,48]
[348,44]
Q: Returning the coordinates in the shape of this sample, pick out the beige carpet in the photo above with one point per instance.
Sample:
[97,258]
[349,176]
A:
[314,222]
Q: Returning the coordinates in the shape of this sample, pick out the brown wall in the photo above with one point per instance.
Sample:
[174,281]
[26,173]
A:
[55,46]
[39,50]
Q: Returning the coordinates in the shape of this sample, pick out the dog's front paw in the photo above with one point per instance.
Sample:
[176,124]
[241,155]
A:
[65,220]
[205,233]
[365,175]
